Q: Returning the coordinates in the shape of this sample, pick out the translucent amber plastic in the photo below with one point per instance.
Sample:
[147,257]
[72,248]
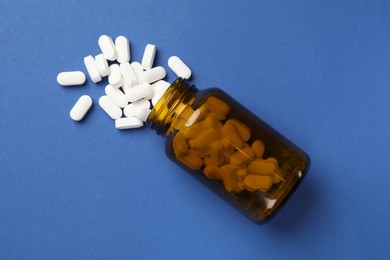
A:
[228,148]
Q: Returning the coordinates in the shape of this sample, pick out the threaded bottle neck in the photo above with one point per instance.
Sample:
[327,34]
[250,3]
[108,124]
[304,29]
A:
[171,106]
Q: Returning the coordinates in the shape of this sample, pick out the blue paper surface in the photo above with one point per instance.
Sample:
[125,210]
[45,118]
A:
[317,71]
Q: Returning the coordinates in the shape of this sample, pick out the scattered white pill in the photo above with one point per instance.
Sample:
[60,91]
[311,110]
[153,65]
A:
[150,96]
[179,67]
[81,108]
[130,109]
[128,75]
[157,97]
[142,113]
[154,74]
[138,92]
[102,65]
[148,58]
[128,123]
[158,86]
[123,49]
[125,88]
[110,107]
[71,78]
[115,77]
[138,83]
[159,89]
[108,48]
[91,67]
[116,95]
[138,70]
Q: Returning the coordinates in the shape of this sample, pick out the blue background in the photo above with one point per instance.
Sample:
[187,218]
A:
[318,71]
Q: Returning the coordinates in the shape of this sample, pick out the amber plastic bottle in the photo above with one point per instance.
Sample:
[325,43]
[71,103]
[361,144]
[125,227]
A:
[228,148]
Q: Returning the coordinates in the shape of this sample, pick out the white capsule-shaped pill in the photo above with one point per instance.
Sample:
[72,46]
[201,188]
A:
[159,89]
[123,49]
[71,78]
[102,65]
[128,123]
[115,77]
[138,70]
[125,88]
[138,92]
[112,109]
[80,109]
[131,109]
[154,74]
[150,96]
[148,57]
[108,48]
[142,113]
[128,75]
[157,97]
[91,67]
[160,86]
[179,67]
[156,86]
[116,95]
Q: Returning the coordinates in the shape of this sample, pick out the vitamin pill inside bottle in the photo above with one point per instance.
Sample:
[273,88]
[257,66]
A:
[228,148]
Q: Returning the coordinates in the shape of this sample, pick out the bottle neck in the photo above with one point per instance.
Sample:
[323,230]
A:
[171,106]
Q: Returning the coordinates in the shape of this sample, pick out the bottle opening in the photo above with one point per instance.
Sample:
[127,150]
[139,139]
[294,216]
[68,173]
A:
[170,106]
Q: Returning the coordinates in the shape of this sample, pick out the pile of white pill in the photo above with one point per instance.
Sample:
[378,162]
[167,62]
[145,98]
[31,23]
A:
[133,89]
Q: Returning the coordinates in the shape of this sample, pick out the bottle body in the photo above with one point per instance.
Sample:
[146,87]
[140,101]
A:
[228,148]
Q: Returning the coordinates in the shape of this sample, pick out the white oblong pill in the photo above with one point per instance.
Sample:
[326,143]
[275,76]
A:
[154,74]
[116,95]
[138,92]
[142,113]
[156,86]
[125,88]
[160,86]
[81,108]
[108,48]
[130,109]
[71,78]
[179,67]
[138,70]
[128,123]
[91,67]
[150,96]
[159,89]
[148,57]
[128,75]
[123,49]
[110,107]
[157,97]
[115,77]
[102,65]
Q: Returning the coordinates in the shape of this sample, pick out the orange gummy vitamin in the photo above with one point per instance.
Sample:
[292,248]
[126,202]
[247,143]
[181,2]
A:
[258,182]
[243,131]
[262,167]
[212,172]
[180,146]
[230,133]
[191,160]
[242,157]
[258,147]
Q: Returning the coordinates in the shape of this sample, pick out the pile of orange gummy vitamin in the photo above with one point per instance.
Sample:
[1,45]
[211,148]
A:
[220,148]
